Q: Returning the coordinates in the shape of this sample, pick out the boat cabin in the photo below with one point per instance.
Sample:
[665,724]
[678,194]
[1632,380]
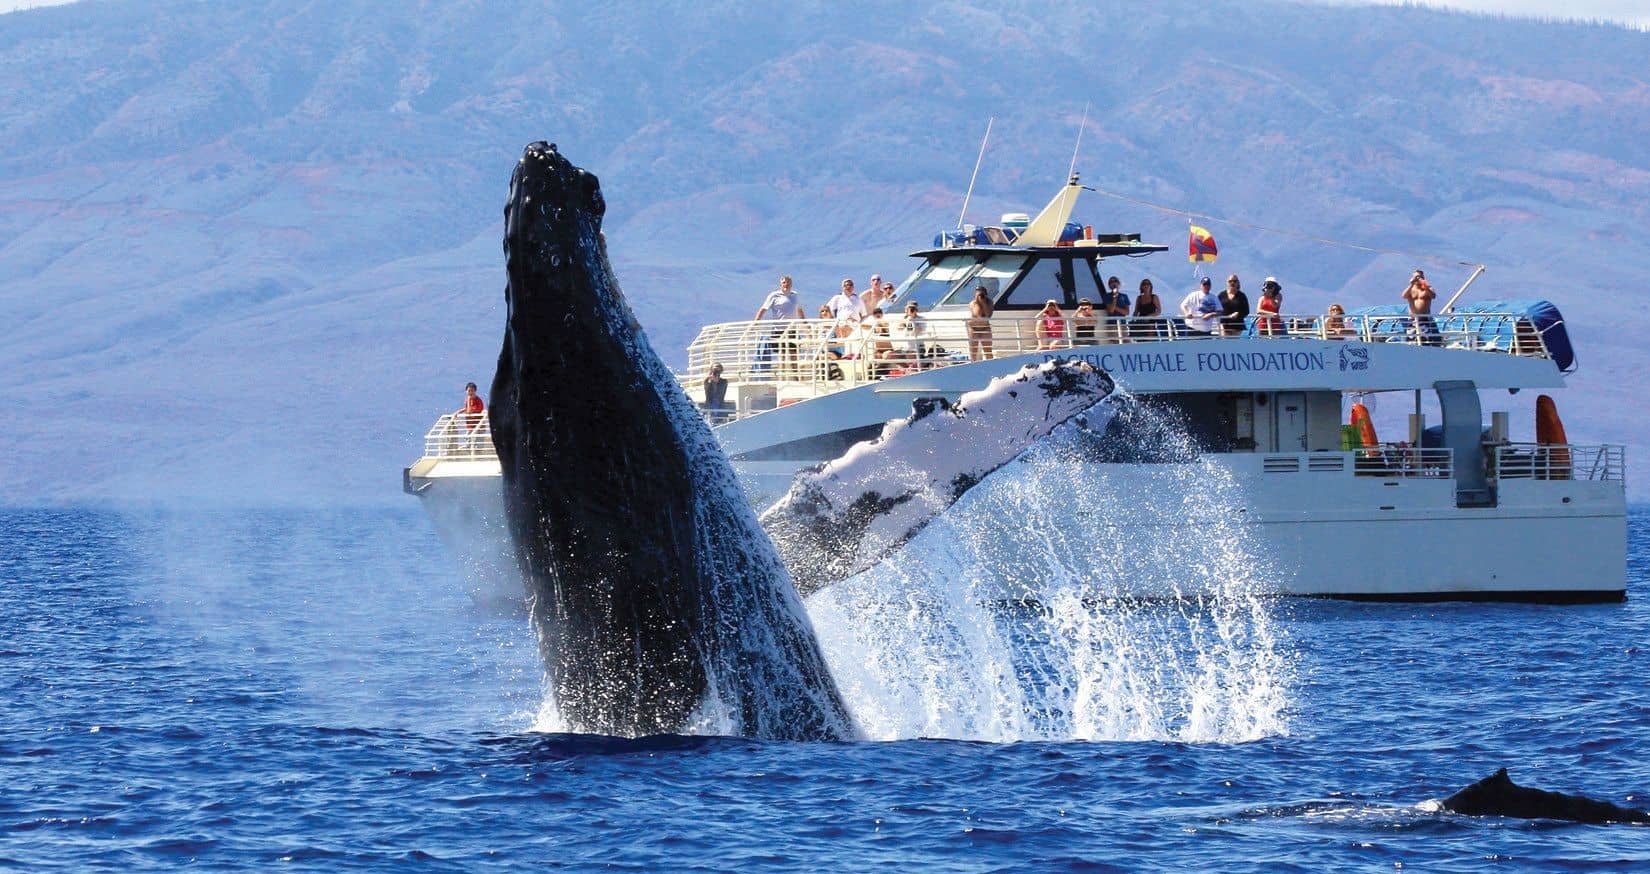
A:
[1017,279]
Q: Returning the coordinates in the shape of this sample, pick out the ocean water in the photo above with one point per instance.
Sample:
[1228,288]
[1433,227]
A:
[314,690]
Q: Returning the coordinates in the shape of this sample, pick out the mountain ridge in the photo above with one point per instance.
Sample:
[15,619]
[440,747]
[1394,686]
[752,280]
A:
[280,222]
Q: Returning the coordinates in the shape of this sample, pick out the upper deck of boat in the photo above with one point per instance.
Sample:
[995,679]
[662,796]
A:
[771,364]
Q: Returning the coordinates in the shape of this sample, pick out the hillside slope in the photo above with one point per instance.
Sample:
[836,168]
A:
[249,253]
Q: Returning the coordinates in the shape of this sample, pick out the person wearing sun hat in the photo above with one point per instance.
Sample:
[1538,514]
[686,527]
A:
[1267,308]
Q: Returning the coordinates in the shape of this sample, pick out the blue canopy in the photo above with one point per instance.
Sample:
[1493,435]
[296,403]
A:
[1486,320]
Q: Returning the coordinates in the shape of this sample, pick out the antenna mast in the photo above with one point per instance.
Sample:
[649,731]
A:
[1071,172]
[983,140]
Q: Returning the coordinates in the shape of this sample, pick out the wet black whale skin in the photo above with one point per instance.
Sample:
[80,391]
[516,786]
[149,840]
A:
[1498,795]
[646,585]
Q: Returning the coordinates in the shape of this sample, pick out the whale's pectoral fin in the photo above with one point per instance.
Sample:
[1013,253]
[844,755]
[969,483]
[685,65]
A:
[841,519]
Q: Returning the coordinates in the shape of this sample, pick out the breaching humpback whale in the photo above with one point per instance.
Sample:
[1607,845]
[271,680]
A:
[851,513]
[658,599]
[1498,795]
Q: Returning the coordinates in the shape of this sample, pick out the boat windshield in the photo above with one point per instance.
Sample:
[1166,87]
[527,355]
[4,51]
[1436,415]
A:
[1047,279]
[995,274]
[950,281]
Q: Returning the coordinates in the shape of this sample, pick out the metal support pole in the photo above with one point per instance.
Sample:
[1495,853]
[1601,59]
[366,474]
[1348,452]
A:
[1449,306]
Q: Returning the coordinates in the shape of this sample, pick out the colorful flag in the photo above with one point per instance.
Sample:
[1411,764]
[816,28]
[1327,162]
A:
[1200,246]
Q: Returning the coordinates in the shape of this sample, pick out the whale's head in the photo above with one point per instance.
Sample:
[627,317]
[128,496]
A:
[552,229]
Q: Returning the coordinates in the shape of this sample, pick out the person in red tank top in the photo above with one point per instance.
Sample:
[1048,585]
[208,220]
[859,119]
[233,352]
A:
[1051,327]
[470,413]
[1271,303]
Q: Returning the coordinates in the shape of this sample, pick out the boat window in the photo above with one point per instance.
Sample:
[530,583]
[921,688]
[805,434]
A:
[1091,274]
[1046,279]
[995,274]
[931,282]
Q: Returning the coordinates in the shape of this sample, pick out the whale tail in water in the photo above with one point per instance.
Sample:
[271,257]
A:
[846,516]
[1498,795]
[658,599]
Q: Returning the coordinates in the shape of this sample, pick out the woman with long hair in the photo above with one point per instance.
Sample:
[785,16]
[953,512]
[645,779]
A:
[1267,321]
[1148,312]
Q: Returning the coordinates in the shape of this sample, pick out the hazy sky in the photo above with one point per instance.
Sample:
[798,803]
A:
[1634,12]
[9,5]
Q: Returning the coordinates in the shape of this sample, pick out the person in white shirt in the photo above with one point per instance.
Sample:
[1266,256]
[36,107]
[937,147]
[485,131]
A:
[780,307]
[845,307]
[1201,308]
[913,330]
[782,303]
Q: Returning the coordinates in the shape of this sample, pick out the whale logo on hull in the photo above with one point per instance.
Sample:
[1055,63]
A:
[657,597]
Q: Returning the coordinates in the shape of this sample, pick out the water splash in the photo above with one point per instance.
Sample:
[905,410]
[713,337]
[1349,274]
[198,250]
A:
[1063,599]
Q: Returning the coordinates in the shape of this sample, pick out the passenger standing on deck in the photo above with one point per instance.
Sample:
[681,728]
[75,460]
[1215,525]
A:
[470,413]
[1114,305]
[1201,309]
[871,297]
[845,305]
[1419,295]
[780,306]
[1051,327]
[979,325]
[1108,295]
[914,330]
[1148,307]
[1234,307]
[1271,303]
[470,416]
[716,392]
[1082,323]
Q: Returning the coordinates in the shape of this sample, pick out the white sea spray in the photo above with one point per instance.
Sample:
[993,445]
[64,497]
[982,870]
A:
[1062,599]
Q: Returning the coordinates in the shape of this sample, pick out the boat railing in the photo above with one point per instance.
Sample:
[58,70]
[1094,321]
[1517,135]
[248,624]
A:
[1601,463]
[1398,461]
[810,352]
[1390,461]
[460,437]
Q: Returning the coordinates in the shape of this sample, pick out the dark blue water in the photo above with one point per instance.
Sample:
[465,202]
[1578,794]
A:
[313,690]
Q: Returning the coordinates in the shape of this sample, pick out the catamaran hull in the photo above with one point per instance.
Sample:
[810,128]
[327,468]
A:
[1305,532]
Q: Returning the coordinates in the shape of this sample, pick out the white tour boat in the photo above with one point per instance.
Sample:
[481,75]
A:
[1457,512]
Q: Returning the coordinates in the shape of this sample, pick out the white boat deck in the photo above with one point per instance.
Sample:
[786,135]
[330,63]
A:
[798,359]
[462,445]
